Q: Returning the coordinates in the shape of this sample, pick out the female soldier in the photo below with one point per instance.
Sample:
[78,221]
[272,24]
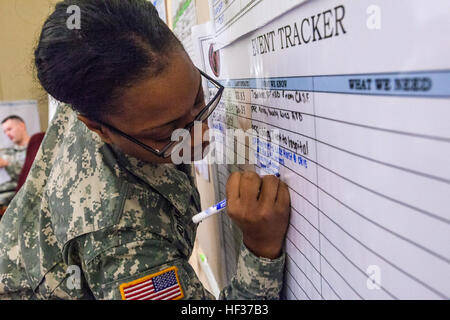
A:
[103,214]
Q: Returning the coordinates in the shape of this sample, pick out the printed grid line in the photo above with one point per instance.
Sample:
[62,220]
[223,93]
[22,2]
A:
[351,209]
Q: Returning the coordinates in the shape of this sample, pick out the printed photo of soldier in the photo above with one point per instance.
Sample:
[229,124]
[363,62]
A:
[13,158]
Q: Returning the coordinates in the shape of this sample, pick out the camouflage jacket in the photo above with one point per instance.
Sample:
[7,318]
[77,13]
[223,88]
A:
[93,223]
[16,158]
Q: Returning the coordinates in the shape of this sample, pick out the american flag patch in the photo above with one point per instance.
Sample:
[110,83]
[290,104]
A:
[163,285]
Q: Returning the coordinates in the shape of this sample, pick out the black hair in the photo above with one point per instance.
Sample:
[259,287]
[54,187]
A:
[13,117]
[118,43]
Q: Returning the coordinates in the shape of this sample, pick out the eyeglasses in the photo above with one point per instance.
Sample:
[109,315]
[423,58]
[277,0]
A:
[203,114]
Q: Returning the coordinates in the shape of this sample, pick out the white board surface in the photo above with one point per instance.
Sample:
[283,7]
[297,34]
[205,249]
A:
[365,86]
[235,18]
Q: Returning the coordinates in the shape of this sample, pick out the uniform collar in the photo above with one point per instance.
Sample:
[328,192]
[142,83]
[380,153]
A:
[174,183]
[20,148]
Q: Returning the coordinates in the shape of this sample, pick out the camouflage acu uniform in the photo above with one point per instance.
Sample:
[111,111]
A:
[116,219]
[16,158]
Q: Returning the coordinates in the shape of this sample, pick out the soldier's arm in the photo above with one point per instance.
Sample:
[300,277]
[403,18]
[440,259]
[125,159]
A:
[144,243]
[123,261]
[256,278]
[126,270]
[15,164]
[260,207]
[131,270]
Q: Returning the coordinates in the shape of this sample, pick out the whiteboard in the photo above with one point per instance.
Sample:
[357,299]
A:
[235,18]
[359,93]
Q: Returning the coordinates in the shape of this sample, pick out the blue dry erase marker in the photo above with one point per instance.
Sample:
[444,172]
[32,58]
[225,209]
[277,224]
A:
[213,210]
[210,211]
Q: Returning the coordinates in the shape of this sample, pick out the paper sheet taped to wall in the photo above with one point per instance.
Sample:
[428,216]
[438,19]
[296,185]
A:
[359,95]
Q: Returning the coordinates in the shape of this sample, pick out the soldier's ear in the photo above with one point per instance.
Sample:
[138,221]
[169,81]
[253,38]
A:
[96,127]
[23,125]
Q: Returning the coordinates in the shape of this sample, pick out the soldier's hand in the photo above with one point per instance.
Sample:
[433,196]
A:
[260,207]
[3,163]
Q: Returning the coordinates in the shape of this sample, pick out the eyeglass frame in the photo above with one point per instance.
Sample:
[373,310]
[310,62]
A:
[160,153]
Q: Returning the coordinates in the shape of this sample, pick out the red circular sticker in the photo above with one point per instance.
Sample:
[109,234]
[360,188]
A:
[214,60]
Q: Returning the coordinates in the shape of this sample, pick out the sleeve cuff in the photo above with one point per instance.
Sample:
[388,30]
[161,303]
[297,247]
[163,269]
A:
[261,277]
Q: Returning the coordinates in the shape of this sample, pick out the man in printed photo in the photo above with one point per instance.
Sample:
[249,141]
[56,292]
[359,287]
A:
[13,158]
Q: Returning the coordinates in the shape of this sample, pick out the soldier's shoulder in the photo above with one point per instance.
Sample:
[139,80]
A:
[88,192]
[84,191]
[141,215]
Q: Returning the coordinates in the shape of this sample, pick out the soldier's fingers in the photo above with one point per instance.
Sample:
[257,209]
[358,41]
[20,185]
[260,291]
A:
[249,186]
[269,189]
[232,187]
[283,197]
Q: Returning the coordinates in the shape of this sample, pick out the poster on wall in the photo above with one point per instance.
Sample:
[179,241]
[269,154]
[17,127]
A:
[349,102]
[184,18]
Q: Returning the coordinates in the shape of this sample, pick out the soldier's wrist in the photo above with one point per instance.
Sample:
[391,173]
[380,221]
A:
[263,250]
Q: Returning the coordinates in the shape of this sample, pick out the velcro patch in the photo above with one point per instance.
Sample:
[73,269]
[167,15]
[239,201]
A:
[163,285]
